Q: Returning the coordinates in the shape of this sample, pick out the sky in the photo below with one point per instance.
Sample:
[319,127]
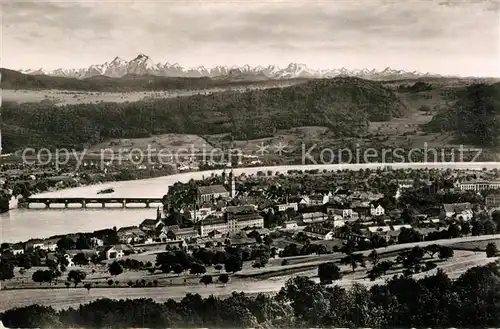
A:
[438,36]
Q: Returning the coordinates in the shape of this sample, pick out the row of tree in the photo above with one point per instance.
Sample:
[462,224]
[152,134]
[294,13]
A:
[433,301]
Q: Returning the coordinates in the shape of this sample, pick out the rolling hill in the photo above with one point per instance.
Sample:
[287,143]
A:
[128,83]
[344,105]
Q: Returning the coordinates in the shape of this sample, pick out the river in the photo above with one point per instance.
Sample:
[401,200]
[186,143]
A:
[23,224]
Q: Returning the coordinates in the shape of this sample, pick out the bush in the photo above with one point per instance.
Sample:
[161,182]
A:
[491,249]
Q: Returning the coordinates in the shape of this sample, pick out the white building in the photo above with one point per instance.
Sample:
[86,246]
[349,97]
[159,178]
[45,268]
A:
[234,219]
[290,225]
[345,213]
[117,251]
[377,211]
[319,232]
[35,244]
[462,211]
[286,206]
[50,244]
[314,217]
[212,192]
[319,199]
[201,213]
[478,185]
[17,249]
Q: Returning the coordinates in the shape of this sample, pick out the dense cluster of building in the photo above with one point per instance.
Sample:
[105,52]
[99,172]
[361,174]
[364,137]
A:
[320,215]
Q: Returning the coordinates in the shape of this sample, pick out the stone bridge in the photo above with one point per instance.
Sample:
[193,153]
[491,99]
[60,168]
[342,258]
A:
[84,202]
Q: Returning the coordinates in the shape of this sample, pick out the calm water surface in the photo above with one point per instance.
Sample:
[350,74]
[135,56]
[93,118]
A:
[23,224]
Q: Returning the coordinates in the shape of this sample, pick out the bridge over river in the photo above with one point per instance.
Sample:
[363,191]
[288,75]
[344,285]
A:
[84,202]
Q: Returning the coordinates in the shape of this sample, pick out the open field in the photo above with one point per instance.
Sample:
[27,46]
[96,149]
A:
[65,97]
[475,245]
[167,143]
[61,97]
[250,280]
[72,297]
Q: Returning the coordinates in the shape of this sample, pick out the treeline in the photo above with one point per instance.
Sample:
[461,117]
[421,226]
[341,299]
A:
[129,83]
[345,105]
[435,300]
[473,118]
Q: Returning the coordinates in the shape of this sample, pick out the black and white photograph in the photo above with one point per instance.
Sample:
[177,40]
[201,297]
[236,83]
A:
[265,164]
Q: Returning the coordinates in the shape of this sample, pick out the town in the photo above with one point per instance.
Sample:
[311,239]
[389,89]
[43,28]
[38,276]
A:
[270,215]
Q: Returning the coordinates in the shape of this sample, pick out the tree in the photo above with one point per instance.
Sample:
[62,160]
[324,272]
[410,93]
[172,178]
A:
[477,228]
[165,268]
[177,268]
[432,249]
[95,259]
[206,279]
[87,286]
[38,276]
[110,282]
[4,202]
[115,268]
[80,259]
[268,240]
[65,243]
[218,267]
[224,278]
[411,259]
[380,269]
[83,242]
[490,227]
[6,270]
[197,269]
[409,235]
[44,276]
[51,264]
[353,260]
[76,276]
[491,249]
[374,257]
[495,216]
[465,228]
[328,272]
[445,252]
[453,231]
[233,263]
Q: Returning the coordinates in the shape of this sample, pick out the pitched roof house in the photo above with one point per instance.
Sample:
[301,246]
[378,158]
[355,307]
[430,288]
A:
[130,233]
[460,210]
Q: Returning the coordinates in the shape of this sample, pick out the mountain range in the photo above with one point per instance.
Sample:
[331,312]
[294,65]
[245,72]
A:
[144,65]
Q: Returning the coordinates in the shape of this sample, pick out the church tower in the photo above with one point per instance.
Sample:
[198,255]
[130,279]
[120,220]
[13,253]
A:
[224,179]
[158,213]
[232,183]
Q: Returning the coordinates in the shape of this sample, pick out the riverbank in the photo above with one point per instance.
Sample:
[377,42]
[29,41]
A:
[157,187]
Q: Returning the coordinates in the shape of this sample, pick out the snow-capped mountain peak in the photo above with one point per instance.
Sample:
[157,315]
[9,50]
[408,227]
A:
[118,61]
[144,65]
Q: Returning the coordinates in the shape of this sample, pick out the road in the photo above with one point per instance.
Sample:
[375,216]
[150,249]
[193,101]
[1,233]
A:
[64,298]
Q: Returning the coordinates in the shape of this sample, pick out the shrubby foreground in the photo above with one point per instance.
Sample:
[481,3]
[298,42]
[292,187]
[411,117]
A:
[473,300]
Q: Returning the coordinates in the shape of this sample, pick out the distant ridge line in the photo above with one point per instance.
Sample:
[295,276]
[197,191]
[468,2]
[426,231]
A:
[144,65]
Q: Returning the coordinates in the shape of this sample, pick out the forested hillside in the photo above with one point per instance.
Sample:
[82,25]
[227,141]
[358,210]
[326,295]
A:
[19,81]
[345,105]
[474,118]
